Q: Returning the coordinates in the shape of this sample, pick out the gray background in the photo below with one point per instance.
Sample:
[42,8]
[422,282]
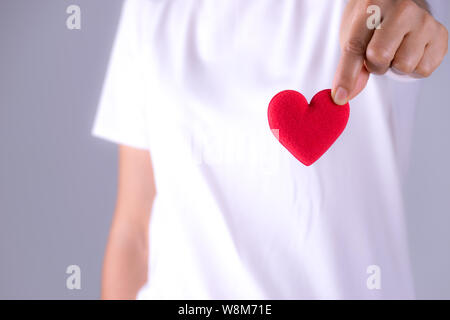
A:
[57,183]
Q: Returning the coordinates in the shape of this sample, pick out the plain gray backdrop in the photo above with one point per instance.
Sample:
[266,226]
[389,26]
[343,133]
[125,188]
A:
[57,183]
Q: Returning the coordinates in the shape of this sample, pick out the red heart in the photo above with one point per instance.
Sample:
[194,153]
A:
[307,131]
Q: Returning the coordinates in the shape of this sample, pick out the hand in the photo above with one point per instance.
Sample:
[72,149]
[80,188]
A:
[409,40]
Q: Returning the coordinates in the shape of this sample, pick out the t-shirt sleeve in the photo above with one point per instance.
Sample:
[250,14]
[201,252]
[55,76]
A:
[121,116]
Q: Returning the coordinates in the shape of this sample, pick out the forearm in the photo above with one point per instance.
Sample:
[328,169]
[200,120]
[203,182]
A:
[126,258]
[125,263]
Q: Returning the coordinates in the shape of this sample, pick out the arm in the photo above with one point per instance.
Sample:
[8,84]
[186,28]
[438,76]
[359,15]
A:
[125,262]
[409,40]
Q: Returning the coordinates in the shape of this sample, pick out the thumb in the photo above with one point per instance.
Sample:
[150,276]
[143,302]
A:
[361,82]
[348,74]
[348,84]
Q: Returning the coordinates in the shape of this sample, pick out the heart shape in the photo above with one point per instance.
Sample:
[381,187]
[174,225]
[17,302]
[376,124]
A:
[307,131]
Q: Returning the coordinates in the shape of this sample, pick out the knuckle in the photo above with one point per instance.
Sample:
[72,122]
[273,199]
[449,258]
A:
[404,65]
[355,46]
[378,55]
[425,70]
[428,22]
[406,10]
[406,6]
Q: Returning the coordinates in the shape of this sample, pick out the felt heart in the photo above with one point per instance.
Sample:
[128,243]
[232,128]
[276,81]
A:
[307,130]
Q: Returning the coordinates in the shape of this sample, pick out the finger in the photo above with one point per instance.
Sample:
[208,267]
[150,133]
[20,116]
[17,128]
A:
[409,53]
[351,61]
[361,83]
[434,54]
[431,59]
[381,52]
[386,41]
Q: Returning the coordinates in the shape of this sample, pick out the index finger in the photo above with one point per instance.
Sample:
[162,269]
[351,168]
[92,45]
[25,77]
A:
[353,50]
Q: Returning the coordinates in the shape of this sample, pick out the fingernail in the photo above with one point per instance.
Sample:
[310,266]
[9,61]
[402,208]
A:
[340,97]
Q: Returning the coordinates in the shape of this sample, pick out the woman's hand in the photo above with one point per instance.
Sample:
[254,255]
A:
[409,40]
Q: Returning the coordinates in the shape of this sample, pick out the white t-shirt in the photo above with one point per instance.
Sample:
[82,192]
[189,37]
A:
[236,216]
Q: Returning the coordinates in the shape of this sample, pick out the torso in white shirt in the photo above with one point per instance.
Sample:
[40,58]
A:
[236,215]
